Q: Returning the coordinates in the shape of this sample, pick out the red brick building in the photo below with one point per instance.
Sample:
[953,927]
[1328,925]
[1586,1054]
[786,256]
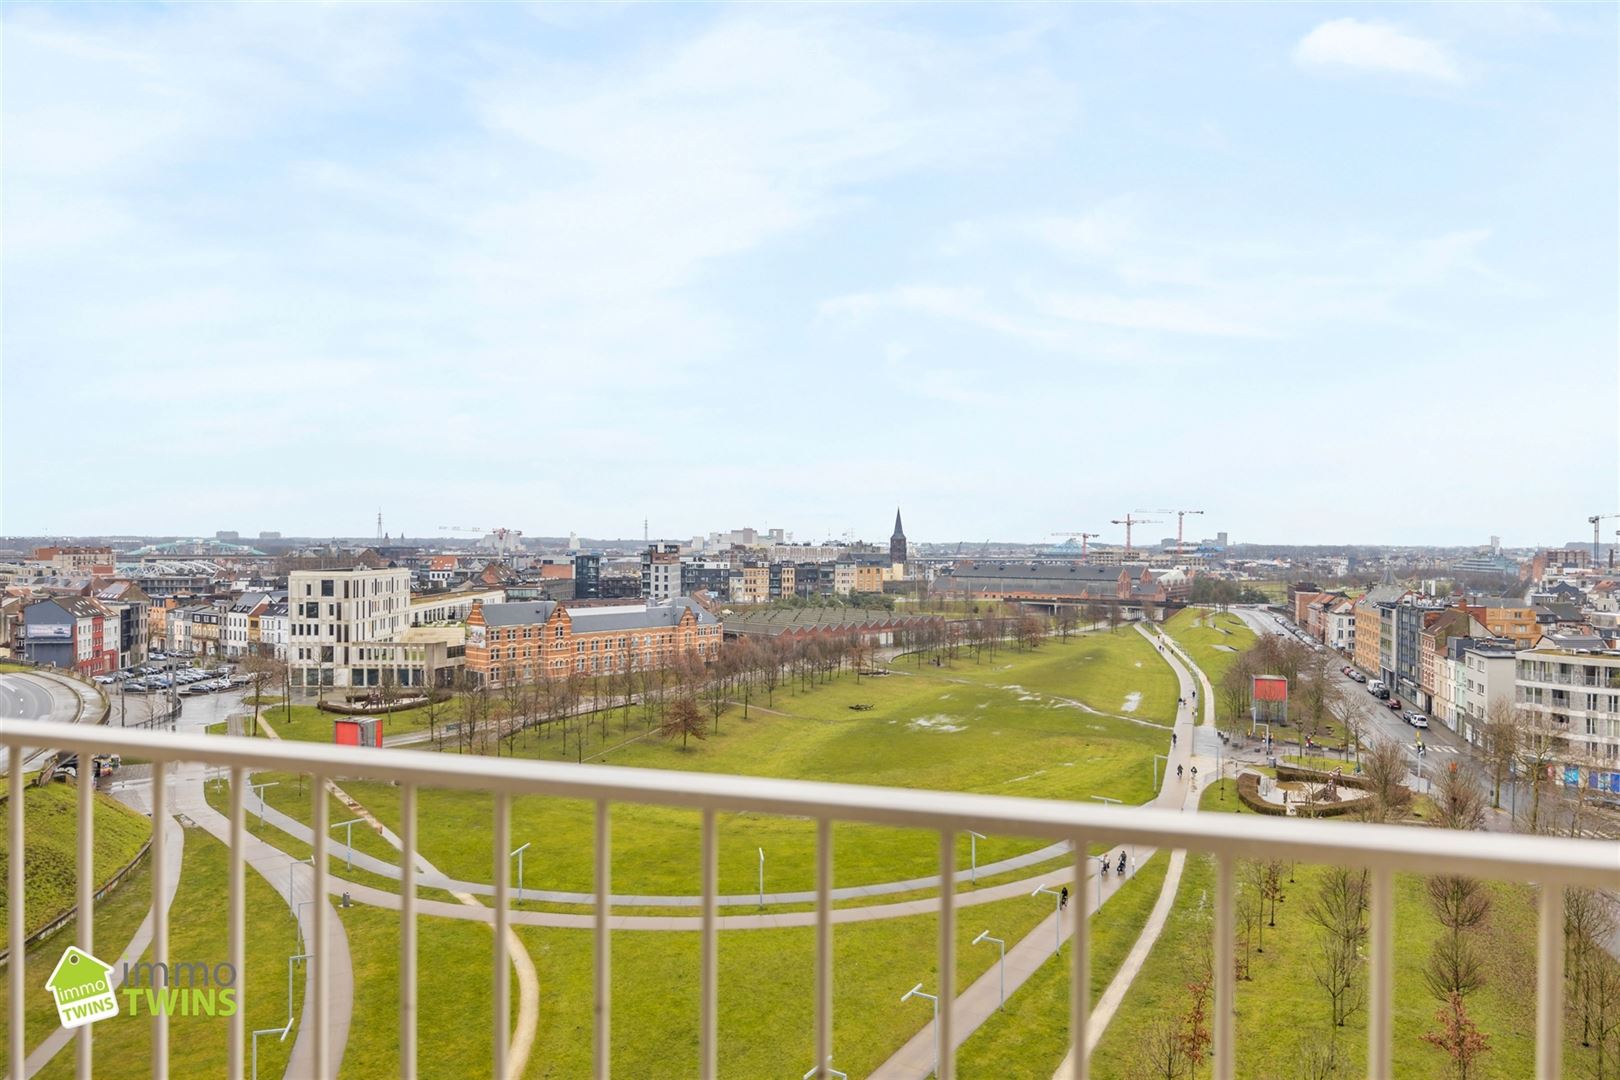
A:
[526,642]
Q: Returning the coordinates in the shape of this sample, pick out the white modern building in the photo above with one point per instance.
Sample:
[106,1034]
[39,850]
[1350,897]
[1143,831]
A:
[1570,685]
[1484,674]
[332,613]
[273,629]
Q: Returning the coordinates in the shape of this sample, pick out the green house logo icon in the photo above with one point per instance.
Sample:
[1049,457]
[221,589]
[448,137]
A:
[83,988]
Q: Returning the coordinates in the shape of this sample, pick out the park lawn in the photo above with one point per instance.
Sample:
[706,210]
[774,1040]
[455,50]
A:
[922,731]
[766,993]
[198,933]
[117,918]
[306,723]
[1030,1038]
[1102,669]
[1200,630]
[50,866]
[1280,1008]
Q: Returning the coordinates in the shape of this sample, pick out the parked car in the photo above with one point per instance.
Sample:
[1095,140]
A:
[1394,705]
[104,679]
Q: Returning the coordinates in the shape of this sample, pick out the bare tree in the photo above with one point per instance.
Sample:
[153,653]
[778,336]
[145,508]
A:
[1458,801]
[683,719]
[1384,768]
[1065,621]
[1501,740]
[1161,1053]
[1338,909]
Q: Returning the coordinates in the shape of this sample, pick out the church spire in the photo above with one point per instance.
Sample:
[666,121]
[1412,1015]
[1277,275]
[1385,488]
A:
[899,533]
[897,542]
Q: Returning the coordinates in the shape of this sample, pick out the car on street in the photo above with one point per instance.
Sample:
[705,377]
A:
[1394,705]
[1418,720]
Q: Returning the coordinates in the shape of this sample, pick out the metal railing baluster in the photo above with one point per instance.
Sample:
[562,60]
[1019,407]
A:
[160,911]
[709,1006]
[824,958]
[1080,963]
[1225,972]
[947,952]
[318,948]
[407,933]
[503,890]
[238,934]
[1381,978]
[86,888]
[604,974]
[1550,984]
[15,910]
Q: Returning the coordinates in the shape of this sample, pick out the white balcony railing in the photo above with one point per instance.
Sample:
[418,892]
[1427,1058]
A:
[1552,863]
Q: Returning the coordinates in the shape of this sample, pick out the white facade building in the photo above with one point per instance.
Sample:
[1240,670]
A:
[1485,676]
[331,613]
[1570,685]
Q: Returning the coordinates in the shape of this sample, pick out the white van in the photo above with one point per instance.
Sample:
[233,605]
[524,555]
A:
[1375,686]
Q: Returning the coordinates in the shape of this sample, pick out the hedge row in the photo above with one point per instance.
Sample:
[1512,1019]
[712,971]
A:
[1248,788]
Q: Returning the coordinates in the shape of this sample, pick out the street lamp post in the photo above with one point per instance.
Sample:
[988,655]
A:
[1118,802]
[762,877]
[518,855]
[1156,759]
[827,1070]
[917,991]
[348,839]
[258,789]
[1057,907]
[985,936]
[973,855]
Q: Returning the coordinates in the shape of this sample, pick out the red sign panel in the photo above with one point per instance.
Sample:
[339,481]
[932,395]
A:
[1270,688]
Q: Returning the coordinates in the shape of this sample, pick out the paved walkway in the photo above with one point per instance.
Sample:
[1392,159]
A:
[981,1000]
[173,854]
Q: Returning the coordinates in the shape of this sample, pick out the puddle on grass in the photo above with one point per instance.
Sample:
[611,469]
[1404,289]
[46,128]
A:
[938,722]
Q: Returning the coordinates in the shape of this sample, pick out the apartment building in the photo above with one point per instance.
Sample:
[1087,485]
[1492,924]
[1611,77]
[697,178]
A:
[782,580]
[238,630]
[1570,685]
[751,583]
[273,621]
[74,561]
[661,572]
[526,642]
[132,607]
[1437,628]
[332,613]
[1508,617]
[1485,673]
[72,632]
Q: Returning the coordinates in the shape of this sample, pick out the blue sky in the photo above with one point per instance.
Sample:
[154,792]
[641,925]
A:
[1330,273]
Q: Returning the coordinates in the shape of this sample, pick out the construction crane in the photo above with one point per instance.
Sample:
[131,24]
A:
[1593,521]
[1180,516]
[1128,521]
[1084,536]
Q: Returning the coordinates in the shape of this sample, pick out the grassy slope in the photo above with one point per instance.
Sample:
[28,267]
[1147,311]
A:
[1030,1038]
[1014,738]
[199,932]
[117,918]
[1280,1007]
[766,990]
[1192,628]
[50,824]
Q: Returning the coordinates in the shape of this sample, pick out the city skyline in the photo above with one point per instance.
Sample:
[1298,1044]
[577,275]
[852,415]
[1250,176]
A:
[1023,269]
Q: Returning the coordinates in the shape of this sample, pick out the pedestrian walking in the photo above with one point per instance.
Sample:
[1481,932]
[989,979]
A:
[1063,898]
[1172,738]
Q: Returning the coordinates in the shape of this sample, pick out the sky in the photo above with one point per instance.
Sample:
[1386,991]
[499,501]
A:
[1327,273]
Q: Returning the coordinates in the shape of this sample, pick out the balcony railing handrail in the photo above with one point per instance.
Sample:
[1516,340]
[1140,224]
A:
[1514,857]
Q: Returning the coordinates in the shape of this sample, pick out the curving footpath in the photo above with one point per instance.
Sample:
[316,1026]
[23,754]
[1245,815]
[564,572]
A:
[174,853]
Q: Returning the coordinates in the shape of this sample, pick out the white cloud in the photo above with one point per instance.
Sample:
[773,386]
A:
[1352,43]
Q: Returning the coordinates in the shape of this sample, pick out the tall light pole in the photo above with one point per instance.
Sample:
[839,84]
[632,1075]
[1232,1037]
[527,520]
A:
[518,855]
[973,854]
[985,936]
[1057,908]
[1156,759]
[917,991]
[1120,802]
[762,877]
[258,789]
[348,839]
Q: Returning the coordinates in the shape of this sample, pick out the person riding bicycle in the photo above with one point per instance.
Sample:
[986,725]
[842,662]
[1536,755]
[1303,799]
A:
[1104,860]
[1178,772]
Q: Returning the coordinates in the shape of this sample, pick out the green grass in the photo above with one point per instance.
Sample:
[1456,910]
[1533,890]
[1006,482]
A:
[766,991]
[116,919]
[198,933]
[1014,737]
[50,865]
[1200,630]
[1030,1038]
[306,723]
[1280,1007]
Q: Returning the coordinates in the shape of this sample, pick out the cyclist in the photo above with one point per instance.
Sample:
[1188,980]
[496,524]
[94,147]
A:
[1178,772]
